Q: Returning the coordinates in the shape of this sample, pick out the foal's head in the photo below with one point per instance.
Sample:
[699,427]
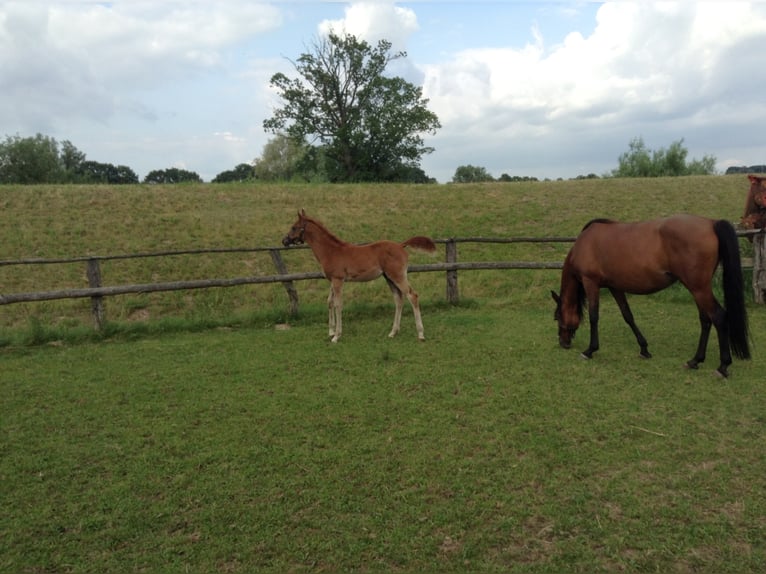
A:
[296,235]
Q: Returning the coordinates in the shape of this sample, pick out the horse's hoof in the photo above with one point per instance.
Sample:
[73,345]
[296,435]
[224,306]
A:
[721,374]
[691,365]
[585,357]
[645,355]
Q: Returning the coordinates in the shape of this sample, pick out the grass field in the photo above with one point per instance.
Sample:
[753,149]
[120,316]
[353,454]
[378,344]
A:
[213,437]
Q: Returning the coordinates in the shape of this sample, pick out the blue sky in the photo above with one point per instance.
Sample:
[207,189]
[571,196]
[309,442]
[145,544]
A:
[544,89]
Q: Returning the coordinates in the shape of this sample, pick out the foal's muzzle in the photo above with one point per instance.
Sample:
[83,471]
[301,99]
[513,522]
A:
[287,241]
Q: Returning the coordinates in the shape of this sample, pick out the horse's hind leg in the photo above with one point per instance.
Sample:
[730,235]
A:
[716,318]
[402,286]
[627,315]
[397,293]
[413,298]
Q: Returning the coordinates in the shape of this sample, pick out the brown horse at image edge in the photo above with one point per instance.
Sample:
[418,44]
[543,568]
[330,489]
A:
[342,261]
[646,257]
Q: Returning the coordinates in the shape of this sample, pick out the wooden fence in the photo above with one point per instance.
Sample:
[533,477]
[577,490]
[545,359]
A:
[96,291]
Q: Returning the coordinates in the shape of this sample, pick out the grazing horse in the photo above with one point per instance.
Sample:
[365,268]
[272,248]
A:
[646,257]
[342,261]
[755,204]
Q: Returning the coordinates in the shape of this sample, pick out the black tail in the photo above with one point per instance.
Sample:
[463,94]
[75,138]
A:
[733,288]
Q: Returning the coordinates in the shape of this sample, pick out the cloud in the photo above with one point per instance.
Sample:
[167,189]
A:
[645,67]
[375,20]
[63,61]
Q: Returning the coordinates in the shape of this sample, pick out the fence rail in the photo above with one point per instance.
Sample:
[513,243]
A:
[96,291]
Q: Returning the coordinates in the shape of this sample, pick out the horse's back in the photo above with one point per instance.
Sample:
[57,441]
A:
[646,256]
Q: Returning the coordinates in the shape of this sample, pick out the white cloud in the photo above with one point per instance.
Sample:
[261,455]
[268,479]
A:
[644,64]
[92,60]
[375,20]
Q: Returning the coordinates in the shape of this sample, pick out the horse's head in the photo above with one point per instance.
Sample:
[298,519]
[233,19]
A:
[568,319]
[758,189]
[296,234]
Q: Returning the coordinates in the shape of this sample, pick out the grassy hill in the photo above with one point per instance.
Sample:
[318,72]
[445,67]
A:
[67,221]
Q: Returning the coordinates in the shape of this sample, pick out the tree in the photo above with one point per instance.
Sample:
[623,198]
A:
[471,174]
[639,161]
[283,158]
[71,159]
[97,172]
[368,125]
[172,175]
[242,172]
[30,160]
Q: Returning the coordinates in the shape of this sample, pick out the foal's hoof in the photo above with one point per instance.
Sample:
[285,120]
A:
[645,355]
[721,374]
[691,365]
[586,357]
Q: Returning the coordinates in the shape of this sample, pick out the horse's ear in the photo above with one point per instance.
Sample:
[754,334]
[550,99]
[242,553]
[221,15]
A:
[752,178]
[302,213]
[556,297]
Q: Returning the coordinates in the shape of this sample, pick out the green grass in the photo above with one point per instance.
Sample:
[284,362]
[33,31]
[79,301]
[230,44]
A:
[485,449]
[209,432]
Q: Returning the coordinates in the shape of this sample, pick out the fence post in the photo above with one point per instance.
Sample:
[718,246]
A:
[453,296]
[93,272]
[759,268]
[292,293]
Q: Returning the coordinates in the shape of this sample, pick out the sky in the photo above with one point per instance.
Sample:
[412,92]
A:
[539,89]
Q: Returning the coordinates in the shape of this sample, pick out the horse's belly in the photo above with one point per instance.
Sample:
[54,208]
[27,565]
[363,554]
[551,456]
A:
[363,274]
[643,284]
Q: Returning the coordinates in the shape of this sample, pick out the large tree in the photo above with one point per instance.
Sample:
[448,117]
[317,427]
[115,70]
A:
[368,125]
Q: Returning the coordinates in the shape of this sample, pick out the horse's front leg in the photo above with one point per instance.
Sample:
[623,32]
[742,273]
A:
[593,302]
[331,313]
[336,295]
[627,315]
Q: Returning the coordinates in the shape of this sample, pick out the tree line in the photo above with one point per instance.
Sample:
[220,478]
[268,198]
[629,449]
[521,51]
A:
[41,159]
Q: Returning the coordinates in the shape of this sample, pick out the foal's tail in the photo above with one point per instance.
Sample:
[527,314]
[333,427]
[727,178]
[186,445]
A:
[420,243]
[733,288]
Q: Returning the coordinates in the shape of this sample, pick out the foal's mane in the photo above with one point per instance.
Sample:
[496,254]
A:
[597,220]
[330,235]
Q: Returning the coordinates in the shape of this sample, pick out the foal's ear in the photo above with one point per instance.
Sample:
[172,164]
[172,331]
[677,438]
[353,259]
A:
[302,213]
[556,298]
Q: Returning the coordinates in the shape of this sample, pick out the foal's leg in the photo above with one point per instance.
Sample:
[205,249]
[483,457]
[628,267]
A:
[413,298]
[398,302]
[335,303]
[402,286]
[331,312]
[622,303]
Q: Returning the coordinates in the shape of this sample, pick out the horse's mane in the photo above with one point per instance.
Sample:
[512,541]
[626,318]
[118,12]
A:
[330,235]
[598,220]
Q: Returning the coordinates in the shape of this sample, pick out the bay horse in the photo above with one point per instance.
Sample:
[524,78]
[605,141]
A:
[342,261]
[646,257]
[755,204]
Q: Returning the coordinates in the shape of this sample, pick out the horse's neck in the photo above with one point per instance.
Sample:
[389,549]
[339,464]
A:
[320,239]
[569,285]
